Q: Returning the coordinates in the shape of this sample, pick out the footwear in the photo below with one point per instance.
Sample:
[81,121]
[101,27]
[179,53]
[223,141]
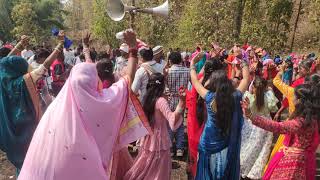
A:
[179,153]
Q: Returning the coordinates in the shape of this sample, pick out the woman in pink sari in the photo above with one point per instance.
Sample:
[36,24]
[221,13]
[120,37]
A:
[84,126]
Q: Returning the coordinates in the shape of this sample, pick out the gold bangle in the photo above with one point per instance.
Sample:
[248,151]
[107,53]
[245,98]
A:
[193,67]
[251,116]
[59,47]
[18,46]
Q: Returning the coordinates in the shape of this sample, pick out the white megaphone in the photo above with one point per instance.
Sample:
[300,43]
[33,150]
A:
[116,9]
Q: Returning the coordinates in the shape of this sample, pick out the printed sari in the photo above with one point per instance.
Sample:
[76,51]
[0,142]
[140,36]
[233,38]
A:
[286,140]
[19,109]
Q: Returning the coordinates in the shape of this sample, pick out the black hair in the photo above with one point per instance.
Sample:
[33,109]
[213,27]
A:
[261,85]
[93,56]
[102,56]
[308,96]
[4,52]
[78,50]
[155,89]
[41,53]
[224,101]
[175,57]
[306,64]
[289,64]
[210,66]
[146,54]
[105,70]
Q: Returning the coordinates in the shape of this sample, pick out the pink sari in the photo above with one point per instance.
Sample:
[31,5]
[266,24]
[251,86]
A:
[310,154]
[81,129]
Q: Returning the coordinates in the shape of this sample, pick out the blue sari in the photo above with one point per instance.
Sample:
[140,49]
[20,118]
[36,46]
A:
[18,115]
[219,156]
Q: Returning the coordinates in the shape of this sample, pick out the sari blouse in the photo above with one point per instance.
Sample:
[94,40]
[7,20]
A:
[212,141]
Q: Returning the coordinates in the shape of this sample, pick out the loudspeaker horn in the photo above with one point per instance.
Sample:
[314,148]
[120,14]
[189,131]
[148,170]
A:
[116,9]
[162,10]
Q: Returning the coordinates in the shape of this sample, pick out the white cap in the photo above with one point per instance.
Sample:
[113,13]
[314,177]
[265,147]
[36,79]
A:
[120,35]
[156,50]
[124,47]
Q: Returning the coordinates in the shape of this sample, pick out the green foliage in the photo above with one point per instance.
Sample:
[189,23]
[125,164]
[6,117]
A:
[29,17]
[205,21]
[23,15]
[6,23]
[263,23]
[103,27]
[266,23]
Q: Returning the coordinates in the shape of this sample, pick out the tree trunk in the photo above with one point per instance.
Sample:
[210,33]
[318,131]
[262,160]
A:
[295,26]
[238,18]
[132,18]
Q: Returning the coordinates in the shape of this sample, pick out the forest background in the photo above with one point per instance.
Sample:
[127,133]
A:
[277,25]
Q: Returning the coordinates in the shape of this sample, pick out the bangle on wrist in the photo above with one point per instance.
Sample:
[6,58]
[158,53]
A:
[193,67]
[59,47]
[133,52]
[180,109]
[251,116]
[19,46]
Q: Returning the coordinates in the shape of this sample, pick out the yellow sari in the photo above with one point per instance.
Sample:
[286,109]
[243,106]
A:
[288,92]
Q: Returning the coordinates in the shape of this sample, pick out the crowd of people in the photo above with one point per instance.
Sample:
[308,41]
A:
[72,114]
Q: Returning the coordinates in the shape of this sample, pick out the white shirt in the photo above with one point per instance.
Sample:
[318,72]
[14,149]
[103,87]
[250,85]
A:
[69,57]
[120,65]
[26,54]
[139,85]
[31,59]
[78,60]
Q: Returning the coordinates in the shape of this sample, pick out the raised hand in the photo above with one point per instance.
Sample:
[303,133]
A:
[86,39]
[283,66]
[182,93]
[130,38]
[61,36]
[24,40]
[245,104]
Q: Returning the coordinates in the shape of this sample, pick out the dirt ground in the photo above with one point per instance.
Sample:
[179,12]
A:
[7,171]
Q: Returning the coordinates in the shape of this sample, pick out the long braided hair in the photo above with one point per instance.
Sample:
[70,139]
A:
[155,89]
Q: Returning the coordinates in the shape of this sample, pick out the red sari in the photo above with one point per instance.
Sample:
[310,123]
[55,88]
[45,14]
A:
[194,129]
[296,159]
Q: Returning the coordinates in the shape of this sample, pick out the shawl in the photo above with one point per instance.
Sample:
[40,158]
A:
[19,108]
[81,130]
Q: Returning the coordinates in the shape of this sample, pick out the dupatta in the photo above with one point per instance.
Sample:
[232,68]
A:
[232,170]
[80,130]
[19,108]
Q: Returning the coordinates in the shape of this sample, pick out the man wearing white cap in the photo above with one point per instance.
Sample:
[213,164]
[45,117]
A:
[122,61]
[158,56]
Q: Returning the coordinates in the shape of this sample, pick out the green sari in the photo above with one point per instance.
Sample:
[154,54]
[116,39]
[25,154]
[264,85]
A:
[19,109]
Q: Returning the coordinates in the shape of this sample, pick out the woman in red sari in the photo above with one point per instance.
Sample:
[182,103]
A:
[296,160]
[197,114]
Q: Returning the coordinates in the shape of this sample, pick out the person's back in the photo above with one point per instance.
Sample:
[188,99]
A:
[212,137]
[178,76]
[147,68]
[153,160]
